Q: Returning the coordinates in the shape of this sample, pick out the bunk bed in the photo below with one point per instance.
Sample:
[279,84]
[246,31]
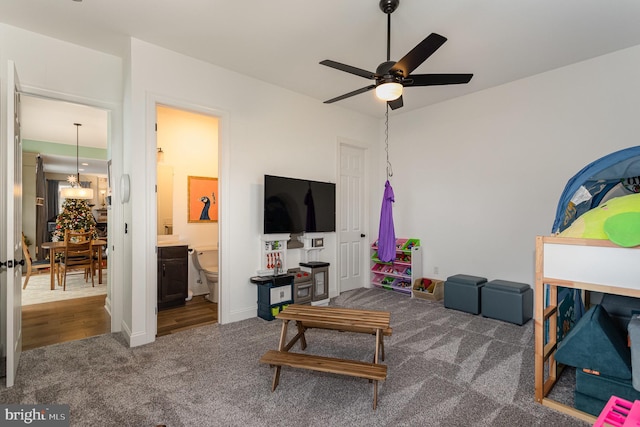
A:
[585,264]
[582,263]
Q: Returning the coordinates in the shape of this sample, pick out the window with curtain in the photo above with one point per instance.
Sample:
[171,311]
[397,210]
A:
[52,199]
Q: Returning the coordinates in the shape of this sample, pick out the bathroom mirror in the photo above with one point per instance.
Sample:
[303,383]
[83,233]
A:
[165,199]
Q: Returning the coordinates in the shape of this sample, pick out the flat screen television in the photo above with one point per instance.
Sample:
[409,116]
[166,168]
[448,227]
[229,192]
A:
[294,205]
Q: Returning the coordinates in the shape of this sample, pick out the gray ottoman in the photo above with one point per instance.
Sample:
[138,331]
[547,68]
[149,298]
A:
[508,301]
[462,292]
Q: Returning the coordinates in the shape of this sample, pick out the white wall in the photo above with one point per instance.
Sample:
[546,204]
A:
[54,66]
[264,129]
[60,70]
[478,177]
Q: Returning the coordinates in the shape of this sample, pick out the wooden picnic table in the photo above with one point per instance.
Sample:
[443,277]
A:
[332,318]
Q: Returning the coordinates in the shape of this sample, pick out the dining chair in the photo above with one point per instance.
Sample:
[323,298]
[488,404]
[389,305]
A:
[78,253]
[96,234]
[97,257]
[30,263]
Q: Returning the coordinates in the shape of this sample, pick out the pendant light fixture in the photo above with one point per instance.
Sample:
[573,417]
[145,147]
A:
[76,191]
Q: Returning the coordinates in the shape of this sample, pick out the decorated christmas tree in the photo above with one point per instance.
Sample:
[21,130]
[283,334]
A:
[76,215]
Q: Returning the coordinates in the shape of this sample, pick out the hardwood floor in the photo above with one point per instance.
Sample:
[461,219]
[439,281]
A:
[61,321]
[196,312]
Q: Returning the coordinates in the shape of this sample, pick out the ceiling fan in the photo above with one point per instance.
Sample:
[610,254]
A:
[390,76]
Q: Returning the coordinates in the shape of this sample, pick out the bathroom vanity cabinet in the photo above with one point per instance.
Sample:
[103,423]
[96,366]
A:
[173,276]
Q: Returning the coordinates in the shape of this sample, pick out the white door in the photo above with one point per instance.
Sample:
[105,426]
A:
[352,272]
[12,164]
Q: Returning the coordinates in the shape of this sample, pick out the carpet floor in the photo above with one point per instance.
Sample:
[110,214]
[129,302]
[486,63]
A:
[445,368]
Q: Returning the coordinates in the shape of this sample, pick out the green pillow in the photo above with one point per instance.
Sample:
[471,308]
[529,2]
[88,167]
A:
[590,225]
[624,229]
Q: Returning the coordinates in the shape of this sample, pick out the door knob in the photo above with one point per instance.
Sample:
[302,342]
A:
[362,235]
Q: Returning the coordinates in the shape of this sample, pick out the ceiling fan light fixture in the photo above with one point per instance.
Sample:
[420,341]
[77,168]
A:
[391,76]
[389,91]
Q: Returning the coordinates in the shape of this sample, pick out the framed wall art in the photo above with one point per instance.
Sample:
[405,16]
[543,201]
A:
[203,199]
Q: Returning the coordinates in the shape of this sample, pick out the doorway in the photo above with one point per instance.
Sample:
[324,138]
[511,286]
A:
[51,142]
[352,236]
[187,147]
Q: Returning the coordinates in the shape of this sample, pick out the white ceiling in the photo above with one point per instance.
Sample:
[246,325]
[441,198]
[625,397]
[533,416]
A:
[282,41]
[53,121]
[50,120]
[67,165]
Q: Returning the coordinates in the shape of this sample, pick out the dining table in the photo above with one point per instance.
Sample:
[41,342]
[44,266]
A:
[55,247]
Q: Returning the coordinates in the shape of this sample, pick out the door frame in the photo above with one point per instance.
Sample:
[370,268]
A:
[153,100]
[114,300]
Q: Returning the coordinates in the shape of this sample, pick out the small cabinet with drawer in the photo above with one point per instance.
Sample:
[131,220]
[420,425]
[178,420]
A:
[275,293]
[173,276]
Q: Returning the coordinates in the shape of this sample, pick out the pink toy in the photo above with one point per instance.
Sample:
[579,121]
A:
[619,413]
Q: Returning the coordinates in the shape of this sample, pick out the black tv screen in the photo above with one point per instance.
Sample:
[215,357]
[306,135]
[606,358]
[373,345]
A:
[298,205]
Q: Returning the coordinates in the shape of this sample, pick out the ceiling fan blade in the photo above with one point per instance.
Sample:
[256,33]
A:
[396,103]
[347,95]
[419,54]
[437,79]
[348,68]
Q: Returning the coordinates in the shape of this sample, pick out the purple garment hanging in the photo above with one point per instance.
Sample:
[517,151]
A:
[386,233]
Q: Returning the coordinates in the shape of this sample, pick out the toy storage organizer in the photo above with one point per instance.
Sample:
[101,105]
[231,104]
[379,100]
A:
[402,272]
[429,289]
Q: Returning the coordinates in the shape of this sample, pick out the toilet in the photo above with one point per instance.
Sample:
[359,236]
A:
[205,261]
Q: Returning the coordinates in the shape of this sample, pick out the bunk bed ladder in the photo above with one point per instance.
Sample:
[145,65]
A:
[546,313]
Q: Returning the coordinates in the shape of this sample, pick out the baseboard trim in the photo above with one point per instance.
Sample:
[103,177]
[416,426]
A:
[244,314]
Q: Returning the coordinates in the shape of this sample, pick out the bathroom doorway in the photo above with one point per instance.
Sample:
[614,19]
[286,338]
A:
[187,147]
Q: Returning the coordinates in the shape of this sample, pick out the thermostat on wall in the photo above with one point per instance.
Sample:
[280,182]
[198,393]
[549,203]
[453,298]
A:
[317,243]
